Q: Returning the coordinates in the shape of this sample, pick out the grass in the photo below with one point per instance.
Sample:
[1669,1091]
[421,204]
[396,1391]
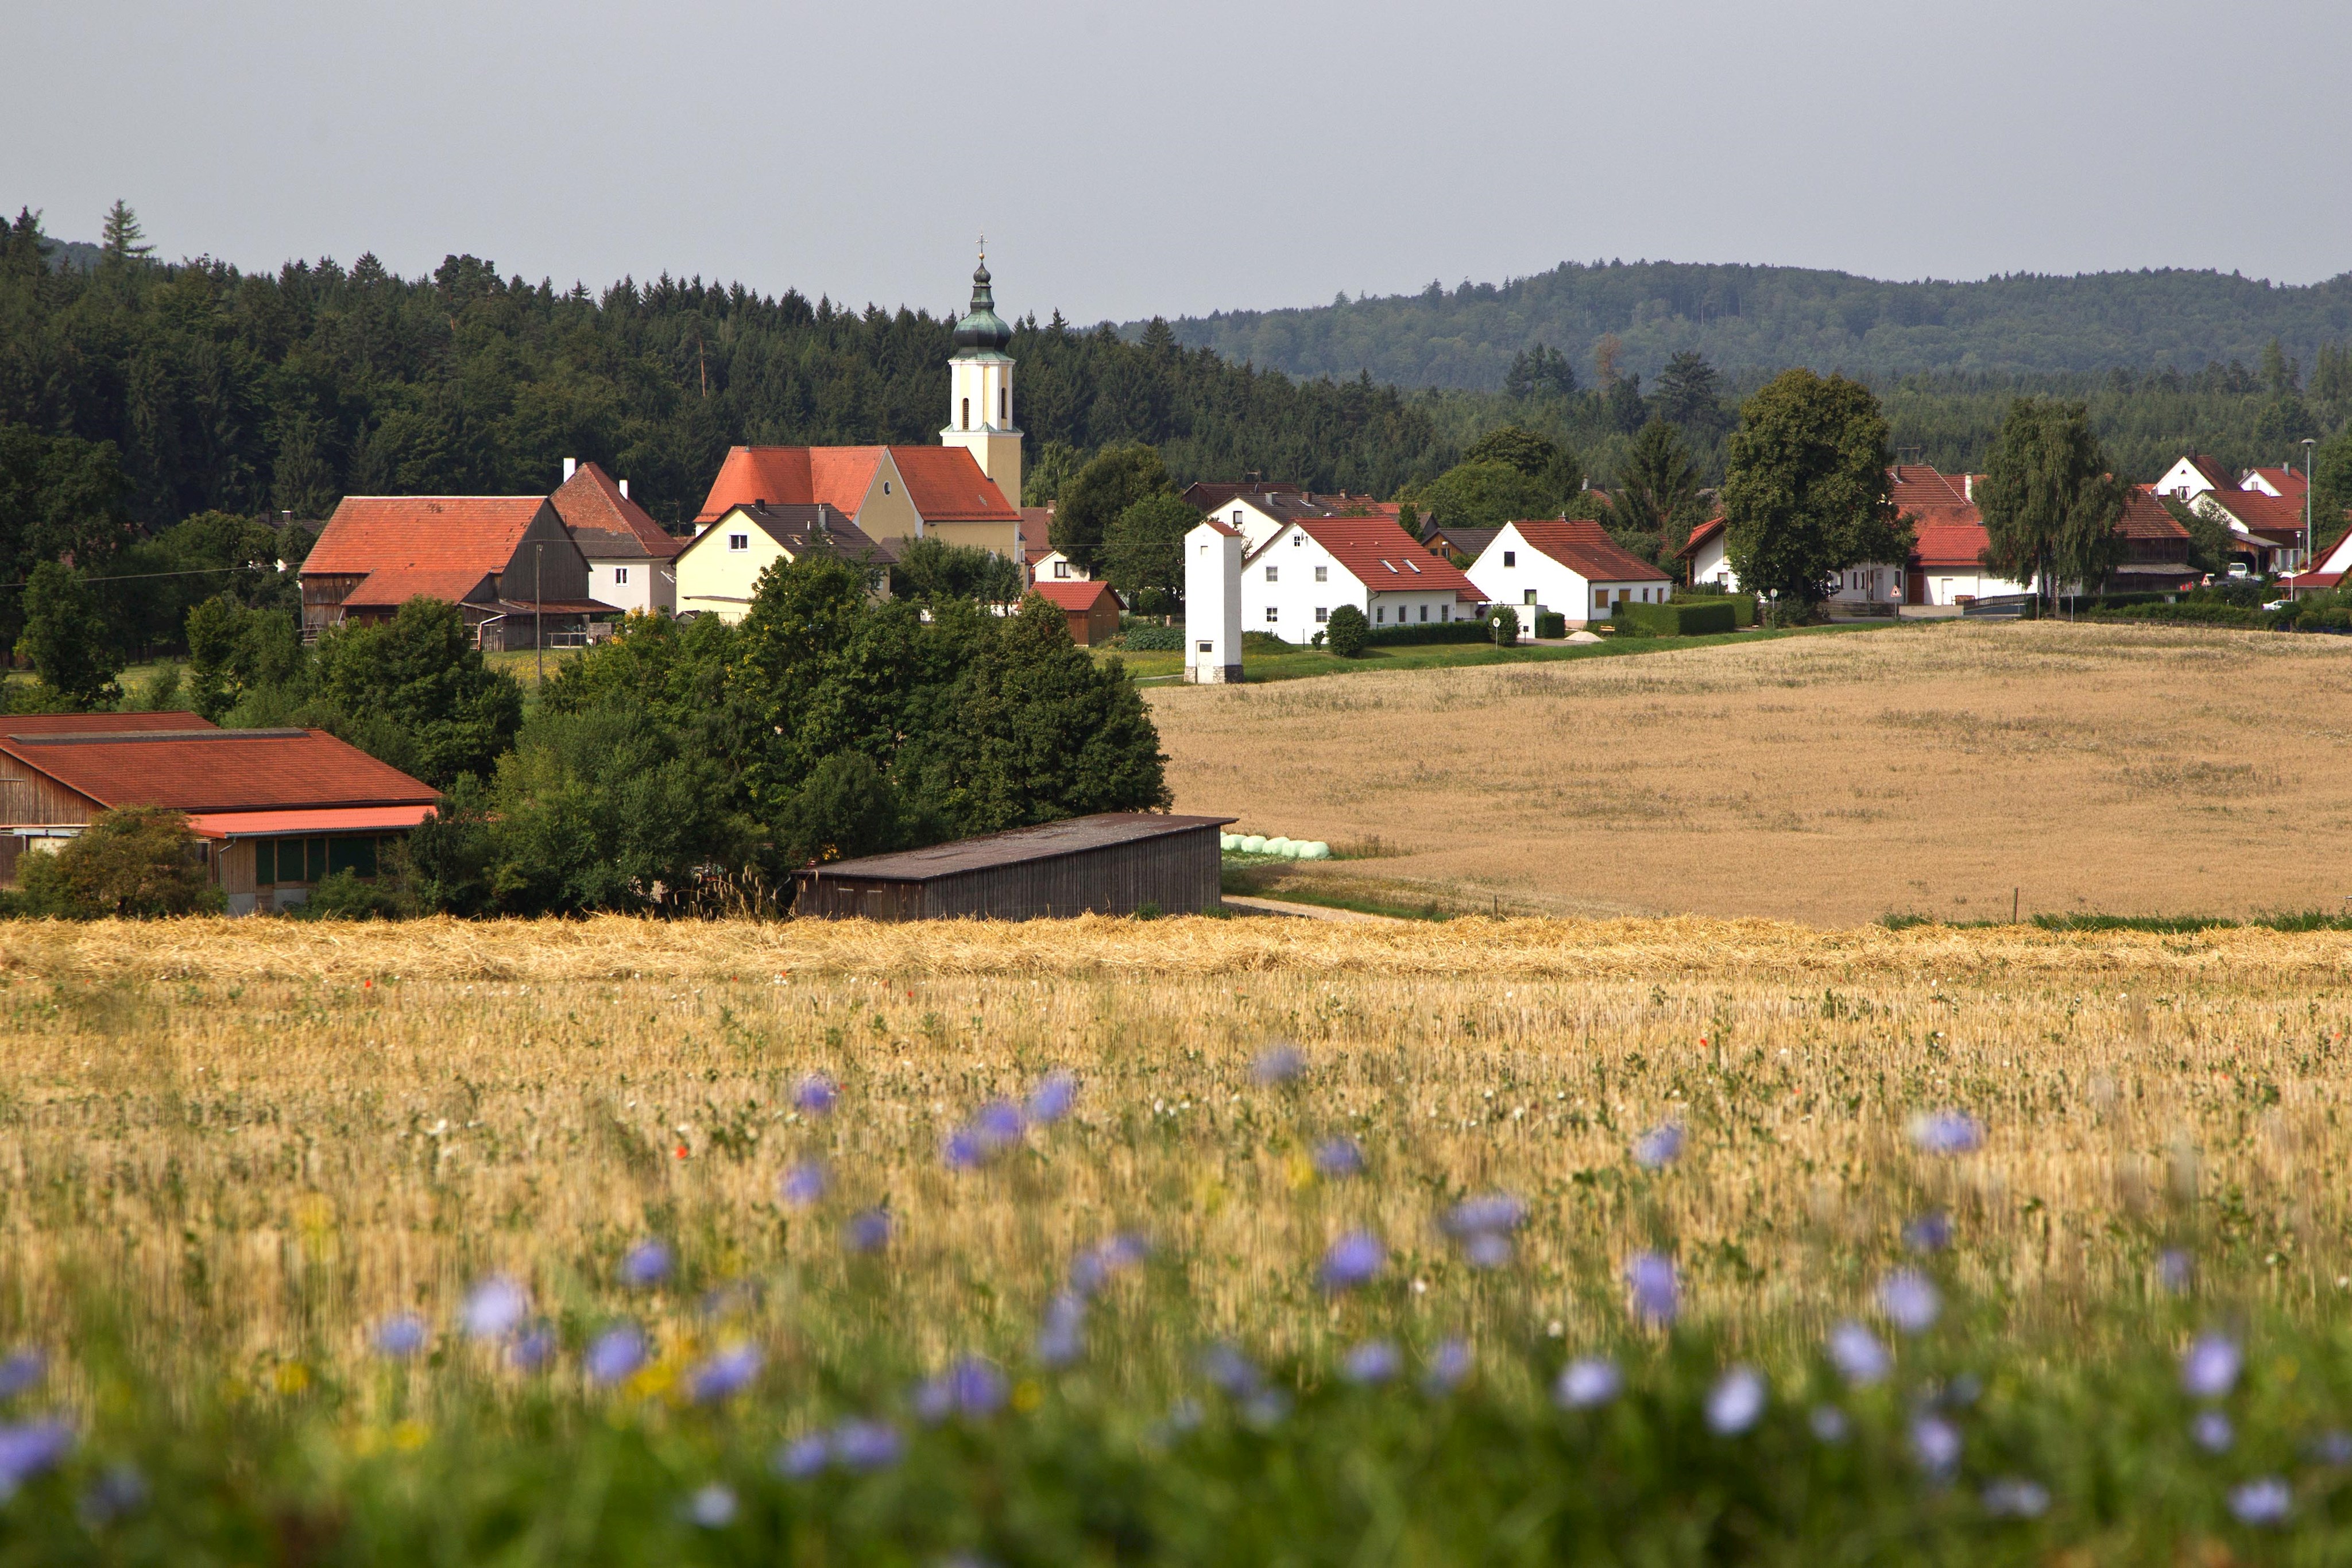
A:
[1301,664]
[237,1150]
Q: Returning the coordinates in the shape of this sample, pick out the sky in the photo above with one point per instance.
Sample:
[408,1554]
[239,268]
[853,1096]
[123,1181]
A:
[1132,160]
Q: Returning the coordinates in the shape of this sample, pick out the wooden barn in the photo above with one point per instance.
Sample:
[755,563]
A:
[1091,608]
[1113,863]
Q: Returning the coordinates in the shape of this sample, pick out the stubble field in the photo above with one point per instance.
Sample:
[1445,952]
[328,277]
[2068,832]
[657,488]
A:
[1937,768]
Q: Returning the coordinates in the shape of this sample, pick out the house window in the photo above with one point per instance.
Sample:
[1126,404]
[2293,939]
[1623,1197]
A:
[1322,613]
[1446,613]
[1425,613]
[620,576]
[1208,648]
[1530,598]
[1600,599]
[1274,612]
[1273,573]
[1298,540]
[1237,517]
[1062,568]
[1381,614]
[886,487]
[1510,558]
[1322,574]
[738,541]
[1003,394]
[966,423]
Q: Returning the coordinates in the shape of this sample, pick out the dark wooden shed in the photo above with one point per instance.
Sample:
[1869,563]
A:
[1113,863]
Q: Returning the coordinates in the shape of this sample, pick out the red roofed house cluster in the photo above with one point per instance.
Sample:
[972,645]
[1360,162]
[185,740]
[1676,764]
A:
[507,562]
[1309,566]
[2265,510]
[1568,566]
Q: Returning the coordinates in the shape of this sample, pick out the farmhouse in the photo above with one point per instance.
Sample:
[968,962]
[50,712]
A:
[277,809]
[1258,513]
[1570,566]
[2155,547]
[718,569]
[507,562]
[1114,863]
[628,553]
[1091,608]
[1309,567]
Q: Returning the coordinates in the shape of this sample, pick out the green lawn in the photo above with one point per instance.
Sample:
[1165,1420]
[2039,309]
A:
[1301,662]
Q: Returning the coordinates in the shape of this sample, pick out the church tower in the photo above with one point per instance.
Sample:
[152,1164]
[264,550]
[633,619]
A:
[980,390]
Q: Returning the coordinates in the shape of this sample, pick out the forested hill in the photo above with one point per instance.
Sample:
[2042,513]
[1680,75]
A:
[1752,321]
[171,390]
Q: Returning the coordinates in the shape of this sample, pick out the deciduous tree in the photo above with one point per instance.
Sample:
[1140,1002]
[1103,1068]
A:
[1805,492]
[1117,479]
[2049,498]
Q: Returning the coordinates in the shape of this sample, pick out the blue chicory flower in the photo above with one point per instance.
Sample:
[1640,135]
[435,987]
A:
[1449,1366]
[2331,1447]
[401,1335]
[532,1348]
[1489,1214]
[493,1308]
[1061,1336]
[868,1230]
[1587,1383]
[28,1448]
[1910,1300]
[867,1445]
[614,1354]
[1276,1064]
[816,1095]
[711,1508]
[802,1185]
[971,1387]
[1829,1424]
[1355,1259]
[997,1126]
[1374,1361]
[2261,1503]
[118,1490]
[1651,1277]
[1487,1250]
[646,1264]
[1947,1132]
[1335,1159]
[2176,1271]
[1855,1351]
[2210,1367]
[1264,1408]
[724,1373]
[1736,1401]
[25,1367]
[1054,1098]
[1931,1232]
[1659,1148]
[2014,1496]
[1936,1444]
[1229,1371]
[2210,1430]
[803,1458]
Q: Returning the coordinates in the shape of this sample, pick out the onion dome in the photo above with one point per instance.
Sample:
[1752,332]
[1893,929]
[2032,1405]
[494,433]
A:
[982,330]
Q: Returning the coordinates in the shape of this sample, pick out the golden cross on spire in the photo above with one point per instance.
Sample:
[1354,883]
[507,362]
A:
[984,247]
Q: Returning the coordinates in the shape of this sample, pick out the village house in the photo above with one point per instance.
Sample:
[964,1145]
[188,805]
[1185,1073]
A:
[276,810]
[628,553]
[507,562]
[1468,543]
[1258,513]
[1568,566]
[1311,566]
[717,570]
[1091,608]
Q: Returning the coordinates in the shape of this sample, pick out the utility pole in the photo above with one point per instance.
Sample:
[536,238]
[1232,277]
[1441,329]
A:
[538,644]
[2310,554]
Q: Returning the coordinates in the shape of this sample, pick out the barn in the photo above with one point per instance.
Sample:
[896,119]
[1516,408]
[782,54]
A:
[1116,862]
[1091,608]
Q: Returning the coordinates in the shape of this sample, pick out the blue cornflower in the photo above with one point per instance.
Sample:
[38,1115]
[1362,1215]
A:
[493,1307]
[724,1375]
[2175,1270]
[1061,1336]
[1374,1361]
[615,1354]
[533,1348]
[2014,1496]
[400,1336]
[1277,1063]
[868,1230]
[802,1185]
[1910,1300]
[971,1388]
[2261,1503]
[1587,1383]
[1936,1444]
[1659,1148]
[711,1508]
[867,1445]
[997,1126]
[1487,1250]
[1736,1401]
[1449,1366]
[1489,1214]
[1931,1232]
[119,1490]
[2210,1367]
[1055,1094]
[1335,1159]
[1651,1277]
[1229,1371]
[963,1150]
[816,1095]
[1855,1351]
[28,1448]
[2210,1430]
[24,1368]
[1356,1258]
[1829,1424]
[1264,1408]
[646,1264]
[803,1458]
[1947,1132]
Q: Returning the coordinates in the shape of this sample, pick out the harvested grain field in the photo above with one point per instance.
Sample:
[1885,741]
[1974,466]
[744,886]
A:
[1926,769]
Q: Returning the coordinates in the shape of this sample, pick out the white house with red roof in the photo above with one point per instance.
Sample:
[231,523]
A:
[1311,566]
[1567,564]
[629,554]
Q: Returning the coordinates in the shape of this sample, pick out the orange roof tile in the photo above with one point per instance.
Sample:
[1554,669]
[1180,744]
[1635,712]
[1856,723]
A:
[1069,593]
[836,477]
[2261,513]
[2288,481]
[2145,517]
[98,723]
[435,533]
[218,769]
[1917,484]
[1699,535]
[1949,538]
[395,587]
[1385,559]
[1585,548]
[323,819]
[946,487]
[606,524]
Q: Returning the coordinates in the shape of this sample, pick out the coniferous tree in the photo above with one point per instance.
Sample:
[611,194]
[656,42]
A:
[120,240]
[1657,493]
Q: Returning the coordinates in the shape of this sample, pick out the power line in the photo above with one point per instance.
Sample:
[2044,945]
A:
[140,576]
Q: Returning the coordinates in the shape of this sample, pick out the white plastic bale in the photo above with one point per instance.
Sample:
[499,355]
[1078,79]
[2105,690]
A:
[1254,844]
[1315,850]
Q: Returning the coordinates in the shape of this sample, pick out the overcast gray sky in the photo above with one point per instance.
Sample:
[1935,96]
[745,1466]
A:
[1179,158]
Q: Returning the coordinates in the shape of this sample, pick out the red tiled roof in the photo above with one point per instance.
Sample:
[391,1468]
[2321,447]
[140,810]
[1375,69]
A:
[435,533]
[946,487]
[2288,482]
[606,524]
[837,476]
[1952,537]
[2214,473]
[1037,527]
[395,587]
[2145,517]
[326,820]
[1917,484]
[1385,559]
[1585,548]
[218,769]
[1069,593]
[1699,535]
[98,723]
[2261,513]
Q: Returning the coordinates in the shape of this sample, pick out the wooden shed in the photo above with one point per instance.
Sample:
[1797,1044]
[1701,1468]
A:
[1113,863]
[1091,608]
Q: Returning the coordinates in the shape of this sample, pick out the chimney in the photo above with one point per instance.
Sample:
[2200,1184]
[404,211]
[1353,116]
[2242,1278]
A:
[568,464]
[625,490]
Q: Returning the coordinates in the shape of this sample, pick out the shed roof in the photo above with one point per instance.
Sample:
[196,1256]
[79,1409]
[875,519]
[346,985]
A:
[1014,846]
[1585,547]
[946,486]
[99,723]
[207,769]
[1949,538]
[423,533]
[606,524]
[1073,594]
[321,819]
[395,586]
[2144,516]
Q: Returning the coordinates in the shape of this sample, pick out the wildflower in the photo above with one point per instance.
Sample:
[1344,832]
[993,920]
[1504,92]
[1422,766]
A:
[28,1448]
[2175,1270]
[803,1458]
[802,1185]
[646,1264]
[1855,1351]
[1491,1214]
[1449,1367]
[24,1368]
[1229,1371]
[2211,1431]
[2261,1503]
[1276,1064]
[816,1095]
[493,1307]
[1651,1276]
[400,1336]
[868,1230]
[867,1445]
[712,1508]
[1374,1361]
[1356,1258]
[963,1150]
[1829,1424]
[1053,1097]
[1910,1300]
[1335,1159]
[532,1348]
[1264,1408]
[2013,1496]
[615,1354]
[119,1490]
[1659,1148]
[997,1126]
[2210,1367]
[1736,1401]
[1587,1383]
[971,1388]
[1936,1444]
[1947,1132]
[2332,1447]
[1062,1338]
[1486,1250]
[724,1375]
[1092,1270]
[1931,1232]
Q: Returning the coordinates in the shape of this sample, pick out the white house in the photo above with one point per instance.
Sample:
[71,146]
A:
[1569,566]
[1311,566]
[1705,552]
[2192,475]
[629,554]
[719,568]
[1212,604]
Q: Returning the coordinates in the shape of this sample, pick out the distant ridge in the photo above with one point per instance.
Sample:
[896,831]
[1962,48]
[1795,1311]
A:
[1749,321]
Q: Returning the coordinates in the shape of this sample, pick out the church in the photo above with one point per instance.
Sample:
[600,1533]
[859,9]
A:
[965,491]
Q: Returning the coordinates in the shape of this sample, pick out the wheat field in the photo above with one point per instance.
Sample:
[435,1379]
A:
[257,1139]
[1943,768]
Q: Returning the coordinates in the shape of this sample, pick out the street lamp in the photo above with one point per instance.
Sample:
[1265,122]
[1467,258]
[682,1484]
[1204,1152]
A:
[2309,556]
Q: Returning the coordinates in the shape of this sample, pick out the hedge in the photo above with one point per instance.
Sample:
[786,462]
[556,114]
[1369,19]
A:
[1685,617]
[1435,631]
[2207,614]
[1743,605]
[1550,623]
[1153,639]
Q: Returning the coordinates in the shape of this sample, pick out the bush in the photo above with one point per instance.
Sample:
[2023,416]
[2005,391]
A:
[140,860]
[1503,623]
[1347,632]
[1416,635]
[1153,639]
[345,896]
[1743,605]
[1262,643]
[2210,612]
[1783,613]
[1676,618]
[1550,623]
